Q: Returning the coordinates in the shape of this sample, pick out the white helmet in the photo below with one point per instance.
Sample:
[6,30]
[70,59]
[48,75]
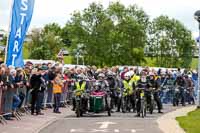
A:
[101,75]
[163,73]
[151,74]
[81,76]
[127,74]
[131,73]
[110,73]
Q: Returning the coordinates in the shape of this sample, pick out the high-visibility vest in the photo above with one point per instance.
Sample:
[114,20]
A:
[128,87]
[135,79]
[82,87]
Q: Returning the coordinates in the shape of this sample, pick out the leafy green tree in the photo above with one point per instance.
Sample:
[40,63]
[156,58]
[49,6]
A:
[112,36]
[4,40]
[170,42]
[52,28]
[45,43]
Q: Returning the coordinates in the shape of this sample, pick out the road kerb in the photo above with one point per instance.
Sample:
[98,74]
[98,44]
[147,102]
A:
[168,124]
[50,122]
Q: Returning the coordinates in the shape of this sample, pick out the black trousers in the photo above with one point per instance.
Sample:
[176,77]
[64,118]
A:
[36,101]
[158,101]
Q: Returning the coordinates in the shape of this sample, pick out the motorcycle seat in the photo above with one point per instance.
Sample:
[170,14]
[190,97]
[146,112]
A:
[100,93]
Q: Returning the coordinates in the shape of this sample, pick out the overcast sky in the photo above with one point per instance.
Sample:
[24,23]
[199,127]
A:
[47,11]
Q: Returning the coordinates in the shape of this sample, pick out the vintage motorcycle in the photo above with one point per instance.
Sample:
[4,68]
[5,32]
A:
[100,100]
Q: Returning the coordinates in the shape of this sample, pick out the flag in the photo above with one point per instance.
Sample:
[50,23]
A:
[21,16]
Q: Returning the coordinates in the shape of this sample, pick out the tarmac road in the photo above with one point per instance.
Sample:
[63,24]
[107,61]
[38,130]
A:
[101,123]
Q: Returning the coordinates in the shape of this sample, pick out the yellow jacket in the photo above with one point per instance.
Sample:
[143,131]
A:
[135,79]
[57,87]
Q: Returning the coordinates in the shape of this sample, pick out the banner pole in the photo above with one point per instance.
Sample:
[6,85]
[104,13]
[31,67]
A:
[9,27]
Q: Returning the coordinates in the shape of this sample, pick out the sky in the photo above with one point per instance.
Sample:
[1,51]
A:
[59,11]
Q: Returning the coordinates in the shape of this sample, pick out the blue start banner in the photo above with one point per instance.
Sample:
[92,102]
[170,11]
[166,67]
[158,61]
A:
[22,11]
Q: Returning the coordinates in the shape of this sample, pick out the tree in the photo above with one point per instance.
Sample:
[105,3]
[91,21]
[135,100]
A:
[170,42]
[45,43]
[91,28]
[4,40]
[112,36]
[130,25]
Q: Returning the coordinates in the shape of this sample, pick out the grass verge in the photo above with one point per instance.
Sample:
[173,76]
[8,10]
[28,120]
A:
[191,122]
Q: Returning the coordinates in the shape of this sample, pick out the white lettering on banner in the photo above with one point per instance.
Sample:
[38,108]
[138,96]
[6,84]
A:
[19,32]
[24,5]
[23,15]
[16,44]
[18,35]
[13,59]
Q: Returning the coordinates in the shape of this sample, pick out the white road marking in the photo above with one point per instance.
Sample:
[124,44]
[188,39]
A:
[116,130]
[76,130]
[72,130]
[99,130]
[133,131]
[102,130]
[105,124]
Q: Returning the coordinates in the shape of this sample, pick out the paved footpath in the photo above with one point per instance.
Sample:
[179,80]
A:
[167,122]
[32,124]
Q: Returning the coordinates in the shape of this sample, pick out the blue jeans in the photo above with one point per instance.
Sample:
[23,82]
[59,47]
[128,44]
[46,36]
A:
[40,98]
[57,98]
[16,102]
[50,96]
[195,88]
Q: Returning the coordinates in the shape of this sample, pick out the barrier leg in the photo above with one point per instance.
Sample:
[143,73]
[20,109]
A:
[3,120]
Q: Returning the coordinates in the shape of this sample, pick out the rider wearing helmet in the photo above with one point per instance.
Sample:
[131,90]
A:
[129,88]
[112,84]
[153,84]
[141,84]
[80,85]
[101,76]
[181,84]
[190,89]
[101,80]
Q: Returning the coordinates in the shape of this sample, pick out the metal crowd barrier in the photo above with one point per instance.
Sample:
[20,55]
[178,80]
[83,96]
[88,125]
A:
[10,108]
[6,103]
[13,103]
[167,95]
[2,120]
